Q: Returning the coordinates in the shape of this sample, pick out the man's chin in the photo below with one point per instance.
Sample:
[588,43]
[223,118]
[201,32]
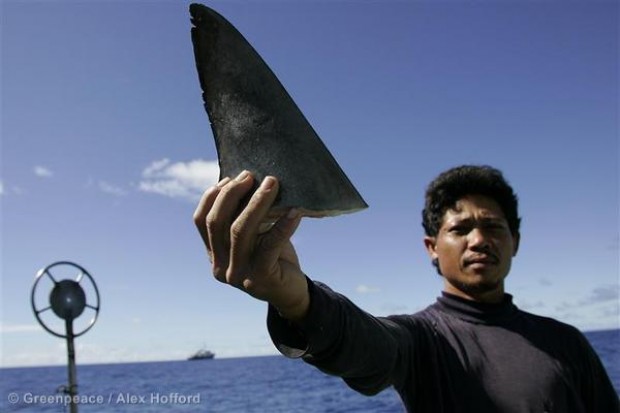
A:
[477,288]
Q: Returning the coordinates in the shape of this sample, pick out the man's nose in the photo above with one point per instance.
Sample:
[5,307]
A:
[477,238]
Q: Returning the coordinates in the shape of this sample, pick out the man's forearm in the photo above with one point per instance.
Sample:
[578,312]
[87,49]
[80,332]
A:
[341,339]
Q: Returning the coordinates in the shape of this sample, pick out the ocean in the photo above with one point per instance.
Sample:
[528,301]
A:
[272,384]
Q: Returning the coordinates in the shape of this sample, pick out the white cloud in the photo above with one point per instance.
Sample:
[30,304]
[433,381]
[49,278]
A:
[111,189]
[604,293]
[155,166]
[185,180]
[531,305]
[395,308]
[42,172]
[598,309]
[19,328]
[545,282]
[364,289]
[10,190]
[609,293]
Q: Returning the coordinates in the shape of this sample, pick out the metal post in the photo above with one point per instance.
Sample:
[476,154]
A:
[72,390]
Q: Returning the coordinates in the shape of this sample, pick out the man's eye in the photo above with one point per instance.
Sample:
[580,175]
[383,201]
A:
[459,229]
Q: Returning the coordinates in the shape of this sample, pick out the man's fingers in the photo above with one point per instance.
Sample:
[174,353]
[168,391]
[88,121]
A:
[220,217]
[245,228]
[271,243]
[231,234]
[204,206]
[277,255]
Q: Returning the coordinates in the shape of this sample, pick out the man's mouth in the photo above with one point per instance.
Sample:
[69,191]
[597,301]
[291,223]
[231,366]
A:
[482,259]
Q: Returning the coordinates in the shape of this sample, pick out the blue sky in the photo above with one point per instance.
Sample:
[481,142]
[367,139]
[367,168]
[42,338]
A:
[106,148]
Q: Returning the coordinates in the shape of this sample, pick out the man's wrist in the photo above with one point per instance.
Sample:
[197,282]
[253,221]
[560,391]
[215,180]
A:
[295,308]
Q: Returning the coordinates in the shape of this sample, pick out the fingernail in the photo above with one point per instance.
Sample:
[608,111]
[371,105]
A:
[242,176]
[223,182]
[268,182]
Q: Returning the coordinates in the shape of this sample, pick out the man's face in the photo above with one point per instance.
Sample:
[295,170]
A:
[474,249]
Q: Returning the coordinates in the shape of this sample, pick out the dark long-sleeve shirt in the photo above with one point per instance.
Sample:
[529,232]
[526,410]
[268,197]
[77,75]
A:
[454,356]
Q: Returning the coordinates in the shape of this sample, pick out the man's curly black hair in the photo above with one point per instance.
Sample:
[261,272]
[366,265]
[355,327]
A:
[450,186]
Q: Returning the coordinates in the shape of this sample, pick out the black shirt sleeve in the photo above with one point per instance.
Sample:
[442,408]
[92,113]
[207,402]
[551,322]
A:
[597,390]
[341,339]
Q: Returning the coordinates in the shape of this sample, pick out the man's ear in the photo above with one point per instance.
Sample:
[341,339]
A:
[431,248]
[516,238]
[431,244]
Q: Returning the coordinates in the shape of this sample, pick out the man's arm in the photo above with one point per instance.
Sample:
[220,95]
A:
[341,339]
[369,353]
[598,392]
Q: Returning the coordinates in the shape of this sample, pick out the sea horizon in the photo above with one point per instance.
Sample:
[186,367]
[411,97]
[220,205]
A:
[163,360]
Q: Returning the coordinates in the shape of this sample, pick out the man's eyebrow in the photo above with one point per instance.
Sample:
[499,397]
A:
[458,221]
[469,220]
[493,219]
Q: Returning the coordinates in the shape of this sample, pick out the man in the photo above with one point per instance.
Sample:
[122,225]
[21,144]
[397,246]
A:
[471,351]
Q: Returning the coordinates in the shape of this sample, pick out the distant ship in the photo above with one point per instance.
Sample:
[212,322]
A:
[202,355]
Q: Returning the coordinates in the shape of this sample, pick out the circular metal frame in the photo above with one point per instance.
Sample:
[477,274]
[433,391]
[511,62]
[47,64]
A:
[82,272]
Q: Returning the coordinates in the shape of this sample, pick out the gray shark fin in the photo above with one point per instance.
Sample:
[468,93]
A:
[257,126]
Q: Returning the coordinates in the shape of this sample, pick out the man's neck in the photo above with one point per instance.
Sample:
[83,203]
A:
[493,296]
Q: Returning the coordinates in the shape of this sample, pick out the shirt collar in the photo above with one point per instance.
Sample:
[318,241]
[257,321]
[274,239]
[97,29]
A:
[475,312]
